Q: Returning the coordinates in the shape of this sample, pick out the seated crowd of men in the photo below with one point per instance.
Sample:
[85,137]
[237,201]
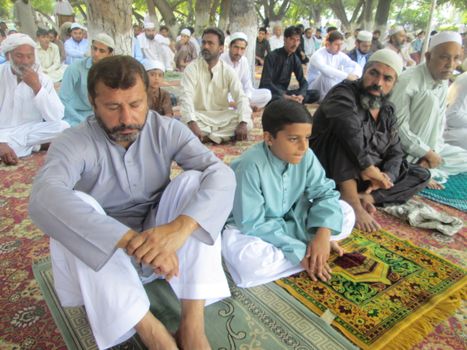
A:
[117,221]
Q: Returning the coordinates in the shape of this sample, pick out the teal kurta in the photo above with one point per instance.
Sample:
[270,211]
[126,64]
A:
[74,92]
[282,203]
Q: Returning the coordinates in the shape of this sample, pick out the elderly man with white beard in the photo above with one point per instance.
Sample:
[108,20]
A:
[30,110]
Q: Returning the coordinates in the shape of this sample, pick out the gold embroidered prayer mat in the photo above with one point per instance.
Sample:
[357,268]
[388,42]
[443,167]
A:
[385,293]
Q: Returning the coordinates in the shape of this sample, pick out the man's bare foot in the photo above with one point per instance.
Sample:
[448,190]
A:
[192,337]
[154,334]
[335,247]
[364,218]
[435,185]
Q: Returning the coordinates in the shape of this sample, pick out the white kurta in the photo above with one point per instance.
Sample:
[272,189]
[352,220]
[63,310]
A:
[456,113]
[258,97]
[50,62]
[403,53]
[276,42]
[151,49]
[421,109]
[326,70]
[204,99]
[27,120]
[167,53]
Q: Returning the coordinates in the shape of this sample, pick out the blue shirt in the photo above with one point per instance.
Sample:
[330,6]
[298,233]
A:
[74,92]
[136,50]
[282,203]
[362,58]
[74,50]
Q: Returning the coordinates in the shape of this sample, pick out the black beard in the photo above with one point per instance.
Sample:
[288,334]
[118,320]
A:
[370,101]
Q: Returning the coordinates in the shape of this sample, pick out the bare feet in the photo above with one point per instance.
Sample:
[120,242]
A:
[364,216]
[190,338]
[434,185]
[154,334]
[335,247]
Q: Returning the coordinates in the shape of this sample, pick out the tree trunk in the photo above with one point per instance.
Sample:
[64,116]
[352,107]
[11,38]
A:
[368,8]
[382,14]
[152,13]
[224,15]
[339,10]
[316,15]
[167,14]
[202,10]
[213,12]
[243,19]
[114,19]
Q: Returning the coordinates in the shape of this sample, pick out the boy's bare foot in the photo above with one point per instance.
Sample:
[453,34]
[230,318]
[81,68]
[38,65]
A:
[364,216]
[335,247]
[154,334]
[435,185]
[192,337]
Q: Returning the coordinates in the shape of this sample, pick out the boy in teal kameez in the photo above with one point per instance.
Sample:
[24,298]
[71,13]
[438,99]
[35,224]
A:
[287,214]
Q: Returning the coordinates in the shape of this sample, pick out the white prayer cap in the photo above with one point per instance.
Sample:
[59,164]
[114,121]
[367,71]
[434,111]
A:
[237,36]
[444,37]
[76,26]
[395,30]
[185,32]
[14,40]
[364,35]
[388,57]
[153,64]
[149,25]
[105,39]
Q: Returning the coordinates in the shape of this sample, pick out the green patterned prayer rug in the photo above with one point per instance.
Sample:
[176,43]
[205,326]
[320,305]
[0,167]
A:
[385,293]
[264,317]
[454,193]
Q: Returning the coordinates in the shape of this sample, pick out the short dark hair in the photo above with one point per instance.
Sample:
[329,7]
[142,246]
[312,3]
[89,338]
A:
[291,31]
[164,28]
[42,32]
[2,33]
[116,72]
[262,29]
[282,112]
[53,32]
[215,31]
[335,35]
[331,29]
[377,31]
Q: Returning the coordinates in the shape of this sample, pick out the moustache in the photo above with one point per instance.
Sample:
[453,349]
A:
[122,127]
[374,87]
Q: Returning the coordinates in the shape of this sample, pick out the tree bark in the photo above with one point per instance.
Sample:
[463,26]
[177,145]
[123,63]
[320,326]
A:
[224,19]
[114,19]
[368,8]
[202,10]
[382,14]
[339,10]
[243,19]
[152,13]
[167,13]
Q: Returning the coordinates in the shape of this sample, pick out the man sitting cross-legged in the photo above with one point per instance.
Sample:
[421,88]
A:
[206,85]
[30,110]
[117,221]
[355,138]
[287,215]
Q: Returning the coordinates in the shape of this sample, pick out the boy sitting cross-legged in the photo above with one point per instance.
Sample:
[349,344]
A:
[287,216]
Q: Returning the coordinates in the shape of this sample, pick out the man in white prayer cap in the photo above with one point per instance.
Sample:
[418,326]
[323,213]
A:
[397,39]
[420,99]
[73,90]
[236,59]
[76,46]
[355,138]
[456,113]
[151,48]
[30,110]
[362,51]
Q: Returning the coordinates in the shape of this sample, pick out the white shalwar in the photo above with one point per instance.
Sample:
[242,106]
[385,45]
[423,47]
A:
[28,120]
[456,113]
[112,315]
[326,70]
[252,261]
[258,97]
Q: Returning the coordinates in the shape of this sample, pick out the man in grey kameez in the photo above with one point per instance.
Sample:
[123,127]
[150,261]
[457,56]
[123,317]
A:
[420,100]
[116,220]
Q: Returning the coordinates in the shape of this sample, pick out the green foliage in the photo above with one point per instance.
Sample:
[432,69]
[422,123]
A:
[45,6]
[5,8]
